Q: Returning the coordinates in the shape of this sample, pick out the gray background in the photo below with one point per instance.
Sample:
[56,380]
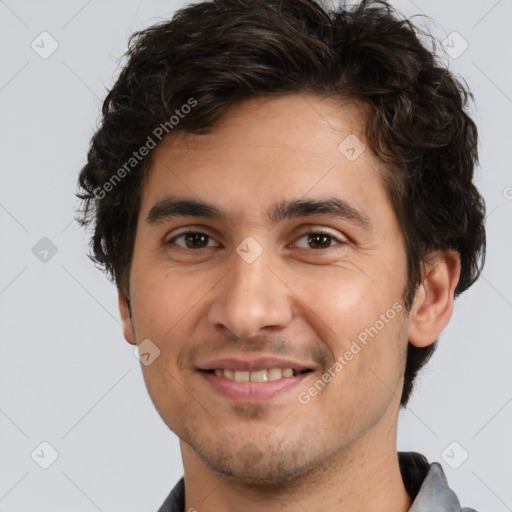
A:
[68,377]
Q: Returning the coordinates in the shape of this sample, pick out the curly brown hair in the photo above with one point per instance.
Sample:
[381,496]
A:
[215,53]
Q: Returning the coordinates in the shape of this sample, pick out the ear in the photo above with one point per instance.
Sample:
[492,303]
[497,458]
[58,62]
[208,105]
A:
[126,318]
[433,303]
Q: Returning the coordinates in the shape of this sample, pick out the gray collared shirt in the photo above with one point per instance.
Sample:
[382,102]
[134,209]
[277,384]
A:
[435,495]
[426,484]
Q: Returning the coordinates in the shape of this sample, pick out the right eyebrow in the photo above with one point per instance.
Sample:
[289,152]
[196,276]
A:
[183,207]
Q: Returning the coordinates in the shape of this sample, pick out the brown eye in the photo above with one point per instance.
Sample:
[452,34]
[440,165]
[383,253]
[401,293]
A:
[319,240]
[192,240]
[196,240]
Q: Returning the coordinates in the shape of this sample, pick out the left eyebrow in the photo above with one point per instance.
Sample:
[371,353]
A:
[334,207]
[189,207]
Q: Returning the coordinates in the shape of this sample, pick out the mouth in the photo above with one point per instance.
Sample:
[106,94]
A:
[265,375]
[253,381]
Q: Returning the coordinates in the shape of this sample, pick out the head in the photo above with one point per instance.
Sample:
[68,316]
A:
[256,126]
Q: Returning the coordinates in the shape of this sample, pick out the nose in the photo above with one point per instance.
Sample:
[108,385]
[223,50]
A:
[251,299]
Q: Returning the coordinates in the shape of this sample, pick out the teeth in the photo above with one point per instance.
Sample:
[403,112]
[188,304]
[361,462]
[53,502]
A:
[256,376]
[259,376]
[241,376]
[275,373]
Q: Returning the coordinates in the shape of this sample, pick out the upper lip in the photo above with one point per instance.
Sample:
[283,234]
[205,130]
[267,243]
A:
[252,364]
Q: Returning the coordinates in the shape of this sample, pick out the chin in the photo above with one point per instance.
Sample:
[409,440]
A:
[265,473]
[261,464]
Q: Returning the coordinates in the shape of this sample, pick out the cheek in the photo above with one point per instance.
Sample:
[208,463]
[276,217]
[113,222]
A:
[163,298]
[363,327]
[163,312]
[346,303]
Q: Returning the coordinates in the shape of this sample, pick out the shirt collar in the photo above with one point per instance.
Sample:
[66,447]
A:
[434,493]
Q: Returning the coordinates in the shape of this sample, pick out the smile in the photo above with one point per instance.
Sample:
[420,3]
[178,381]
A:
[245,386]
[266,375]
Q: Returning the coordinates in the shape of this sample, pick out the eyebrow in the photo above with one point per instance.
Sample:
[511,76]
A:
[171,207]
[334,207]
[182,207]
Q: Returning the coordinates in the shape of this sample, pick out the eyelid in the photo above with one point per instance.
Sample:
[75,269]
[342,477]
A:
[317,229]
[169,237]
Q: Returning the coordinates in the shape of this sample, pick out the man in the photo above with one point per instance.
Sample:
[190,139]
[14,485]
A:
[283,195]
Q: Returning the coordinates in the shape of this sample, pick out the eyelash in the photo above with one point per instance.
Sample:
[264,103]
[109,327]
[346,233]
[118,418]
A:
[320,232]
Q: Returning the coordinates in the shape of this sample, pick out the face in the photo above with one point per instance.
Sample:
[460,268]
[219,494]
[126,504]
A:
[268,274]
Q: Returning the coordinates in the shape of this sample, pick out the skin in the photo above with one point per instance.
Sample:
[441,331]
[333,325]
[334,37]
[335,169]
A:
[296,300]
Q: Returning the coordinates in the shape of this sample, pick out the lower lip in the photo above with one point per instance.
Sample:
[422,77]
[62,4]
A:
[252,391]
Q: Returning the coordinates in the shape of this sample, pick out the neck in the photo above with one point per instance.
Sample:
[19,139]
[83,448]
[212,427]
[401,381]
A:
[365,476]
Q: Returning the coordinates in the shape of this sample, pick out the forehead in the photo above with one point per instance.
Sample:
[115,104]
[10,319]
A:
[293,122]
[268,149]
